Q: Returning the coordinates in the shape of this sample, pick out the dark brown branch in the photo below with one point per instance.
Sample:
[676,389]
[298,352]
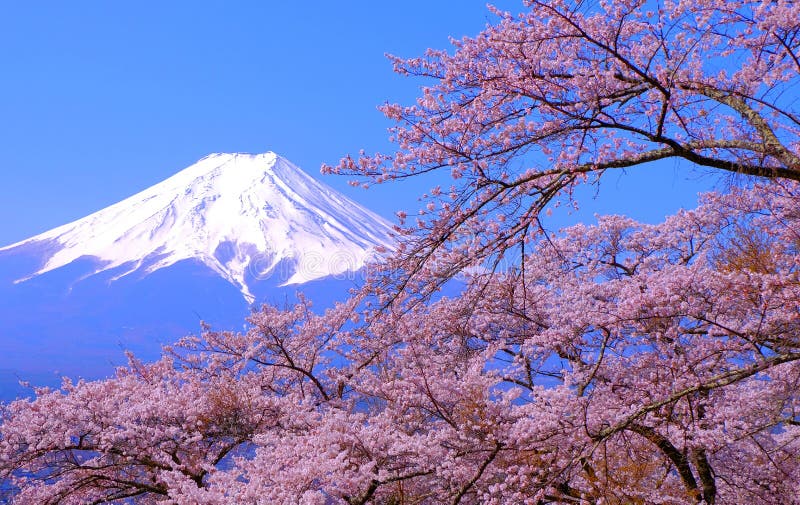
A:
[673,454]
[478,475]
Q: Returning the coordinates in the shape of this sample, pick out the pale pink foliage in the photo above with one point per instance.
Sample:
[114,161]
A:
[623,363]
[555,97]
[613,364]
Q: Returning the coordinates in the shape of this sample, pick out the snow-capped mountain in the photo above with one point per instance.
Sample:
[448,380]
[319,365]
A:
[246,217]
[228,232]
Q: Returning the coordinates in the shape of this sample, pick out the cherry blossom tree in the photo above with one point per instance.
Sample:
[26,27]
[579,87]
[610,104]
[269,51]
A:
[557,96]
[614,363]
[626,363]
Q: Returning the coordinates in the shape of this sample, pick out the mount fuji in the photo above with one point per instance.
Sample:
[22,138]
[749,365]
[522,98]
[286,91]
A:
[228,232]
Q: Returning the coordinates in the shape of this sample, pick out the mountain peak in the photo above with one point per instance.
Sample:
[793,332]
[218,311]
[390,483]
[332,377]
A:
[247,217]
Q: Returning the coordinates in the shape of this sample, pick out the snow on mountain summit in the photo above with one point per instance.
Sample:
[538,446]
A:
[245,216]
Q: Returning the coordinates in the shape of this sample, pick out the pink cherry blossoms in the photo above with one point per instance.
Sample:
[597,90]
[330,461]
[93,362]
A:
[625,363]
[559,95]
[612,364]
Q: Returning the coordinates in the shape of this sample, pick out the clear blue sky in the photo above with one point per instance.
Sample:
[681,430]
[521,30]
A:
[102,99]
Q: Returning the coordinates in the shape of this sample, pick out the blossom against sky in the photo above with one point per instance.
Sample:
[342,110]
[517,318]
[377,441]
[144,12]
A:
[104,99]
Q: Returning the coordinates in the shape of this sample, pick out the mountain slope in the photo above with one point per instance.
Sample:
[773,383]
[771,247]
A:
[246,217]
[203,245]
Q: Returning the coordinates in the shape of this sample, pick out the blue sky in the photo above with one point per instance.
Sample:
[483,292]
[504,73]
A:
[103,99]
